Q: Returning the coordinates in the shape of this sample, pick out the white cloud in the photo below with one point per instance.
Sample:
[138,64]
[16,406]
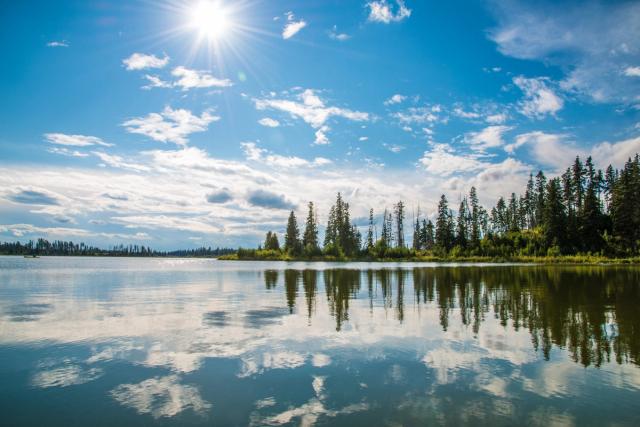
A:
[442,160]
[155,81]
[21,230]
[141,61]
[269,122]
[632,72]
[292,27]
[66,152]
[382,11]
[321,136]
[56,43]
[489,137]
[394,148]
[616,153]
[593,41]
[160,397]
[497,118]
[419,115]
[118,162]
[311,109]
[74,140]
[65,376]
[170,125]
[395,99]
[547,149]
[320,360]
[256,154]
[335,35]
[459,112]
[189,79]
[540,99]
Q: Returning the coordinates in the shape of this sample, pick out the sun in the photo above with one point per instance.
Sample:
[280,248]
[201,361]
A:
[210,19]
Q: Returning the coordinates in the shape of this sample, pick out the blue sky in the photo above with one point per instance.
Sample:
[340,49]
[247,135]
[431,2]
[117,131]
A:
[181,123]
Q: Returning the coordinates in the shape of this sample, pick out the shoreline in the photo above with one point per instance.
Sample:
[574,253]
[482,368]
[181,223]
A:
[562,260]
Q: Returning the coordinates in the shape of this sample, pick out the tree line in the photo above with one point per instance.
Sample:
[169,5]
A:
[583,211]
[69,248]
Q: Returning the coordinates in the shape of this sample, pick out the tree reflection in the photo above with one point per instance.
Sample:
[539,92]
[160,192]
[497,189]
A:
[590,311]
[270,278]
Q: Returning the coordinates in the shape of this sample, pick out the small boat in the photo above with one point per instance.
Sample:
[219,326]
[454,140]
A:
[31,256]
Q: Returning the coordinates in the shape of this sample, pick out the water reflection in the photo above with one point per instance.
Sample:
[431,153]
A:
[202,342]
[591,311]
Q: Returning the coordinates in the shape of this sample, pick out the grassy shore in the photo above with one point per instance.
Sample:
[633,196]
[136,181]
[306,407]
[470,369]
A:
[562,259]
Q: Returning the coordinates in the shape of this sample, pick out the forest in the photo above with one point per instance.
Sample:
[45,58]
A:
[62,248]
[584,212]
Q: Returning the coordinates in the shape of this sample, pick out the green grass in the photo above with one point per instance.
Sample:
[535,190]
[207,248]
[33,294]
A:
[561,259]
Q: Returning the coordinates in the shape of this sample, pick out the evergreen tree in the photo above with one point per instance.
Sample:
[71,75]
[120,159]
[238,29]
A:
[591,222]
[416,232]
[609,184]
[625,205]
[530,203]
[292,235]
[444,226]
[428,232]
[271,241]
[461,226]
[330,236]
[398,211]
[554,215]
[578,177]
[541,184]
[310,236]
[370,241]
[475,218]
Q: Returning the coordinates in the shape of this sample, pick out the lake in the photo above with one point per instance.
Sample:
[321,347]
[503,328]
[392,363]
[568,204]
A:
[126,341]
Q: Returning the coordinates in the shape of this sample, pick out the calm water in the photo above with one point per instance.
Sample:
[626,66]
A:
[112,341]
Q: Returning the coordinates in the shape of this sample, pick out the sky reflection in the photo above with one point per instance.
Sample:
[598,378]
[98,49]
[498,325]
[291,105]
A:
[329,343]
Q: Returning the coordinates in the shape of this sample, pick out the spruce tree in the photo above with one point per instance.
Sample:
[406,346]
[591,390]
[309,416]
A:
[399,214]
[461,226]
[292,235]
[370,241]
[475,218]
[416,232]
[271,241]
[554,215]
[444,226]
[310,236]
[541,185]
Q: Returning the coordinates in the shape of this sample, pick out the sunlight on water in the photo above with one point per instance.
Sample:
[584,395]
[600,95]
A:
[201,342]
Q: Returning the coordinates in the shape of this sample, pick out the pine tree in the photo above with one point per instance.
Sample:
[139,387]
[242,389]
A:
[609,184]
[529,200]
[292,235]
[370,241]
[271,241]
[475,218]
[513,219]
[461,226]
[330,236]
[541,185]
[310,236]
[578,176]
[416,232]
[428,231]
[444,229]
[399,214]
[625,205]
[554,215]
